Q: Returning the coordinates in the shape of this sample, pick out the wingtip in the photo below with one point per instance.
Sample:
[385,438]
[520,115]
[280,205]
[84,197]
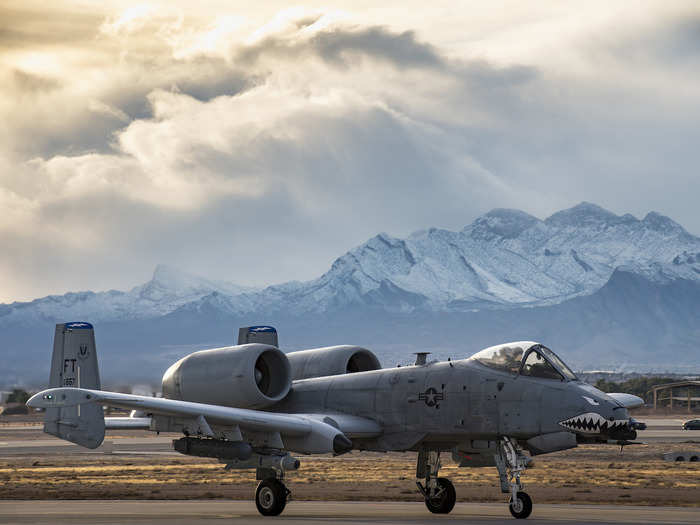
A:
[36,401]
[61,397]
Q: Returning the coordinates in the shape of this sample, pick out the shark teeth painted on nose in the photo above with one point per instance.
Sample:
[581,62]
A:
[591,423]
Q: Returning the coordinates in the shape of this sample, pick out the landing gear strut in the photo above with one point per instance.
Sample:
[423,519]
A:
[439,493]
[511,463]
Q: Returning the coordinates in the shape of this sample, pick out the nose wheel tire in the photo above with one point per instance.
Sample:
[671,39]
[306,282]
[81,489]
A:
[444,500]
[521,507]
[271,497]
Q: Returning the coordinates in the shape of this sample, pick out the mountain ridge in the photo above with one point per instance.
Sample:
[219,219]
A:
[504,258]
[601,290]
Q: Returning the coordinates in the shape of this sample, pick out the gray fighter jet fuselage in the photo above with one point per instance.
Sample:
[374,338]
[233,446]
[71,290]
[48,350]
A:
[449,402]
[251,405]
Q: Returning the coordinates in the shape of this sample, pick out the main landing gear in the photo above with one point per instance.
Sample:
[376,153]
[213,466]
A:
[511,463]
[439,493]
[271,497]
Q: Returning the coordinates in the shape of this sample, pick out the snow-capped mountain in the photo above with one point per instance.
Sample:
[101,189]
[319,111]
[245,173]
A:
[168,289]
[504,259]
[605,291]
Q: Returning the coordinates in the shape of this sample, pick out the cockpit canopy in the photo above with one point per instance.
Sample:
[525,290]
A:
[525,358]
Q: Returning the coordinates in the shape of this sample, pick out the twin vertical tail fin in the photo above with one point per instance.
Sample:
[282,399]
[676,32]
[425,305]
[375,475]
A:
[74,364]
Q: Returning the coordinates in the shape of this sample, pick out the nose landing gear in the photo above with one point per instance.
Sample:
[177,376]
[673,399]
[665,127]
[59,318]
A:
[511,463]
[439,493]
[521,506]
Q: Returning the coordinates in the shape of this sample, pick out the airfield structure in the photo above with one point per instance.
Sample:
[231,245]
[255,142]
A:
[688,398]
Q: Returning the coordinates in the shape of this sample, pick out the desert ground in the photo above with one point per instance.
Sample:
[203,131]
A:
[587,474]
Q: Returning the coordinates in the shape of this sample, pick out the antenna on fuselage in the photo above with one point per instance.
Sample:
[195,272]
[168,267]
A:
[421,358]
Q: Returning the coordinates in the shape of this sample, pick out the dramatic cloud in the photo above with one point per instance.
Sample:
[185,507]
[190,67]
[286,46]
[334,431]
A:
[257,147]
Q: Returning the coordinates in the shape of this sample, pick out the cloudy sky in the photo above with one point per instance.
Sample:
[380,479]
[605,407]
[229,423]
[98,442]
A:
[256,144]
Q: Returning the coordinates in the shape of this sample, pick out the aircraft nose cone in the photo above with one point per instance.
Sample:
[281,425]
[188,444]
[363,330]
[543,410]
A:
[341,444]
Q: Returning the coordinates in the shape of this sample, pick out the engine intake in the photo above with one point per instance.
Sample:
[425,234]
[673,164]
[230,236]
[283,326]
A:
[244,376]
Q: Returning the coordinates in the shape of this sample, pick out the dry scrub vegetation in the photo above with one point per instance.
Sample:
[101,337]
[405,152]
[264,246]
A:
[586,474]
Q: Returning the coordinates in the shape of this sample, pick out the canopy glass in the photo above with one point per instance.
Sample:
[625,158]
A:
[528,359]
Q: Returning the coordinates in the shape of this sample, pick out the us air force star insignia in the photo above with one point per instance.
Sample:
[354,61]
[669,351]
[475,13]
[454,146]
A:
[431,397]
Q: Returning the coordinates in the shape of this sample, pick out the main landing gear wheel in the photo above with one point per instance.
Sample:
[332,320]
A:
[444,500]
[439,493]
[521,507]
[271,497]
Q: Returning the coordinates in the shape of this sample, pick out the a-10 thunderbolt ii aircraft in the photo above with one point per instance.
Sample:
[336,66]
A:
[251,405]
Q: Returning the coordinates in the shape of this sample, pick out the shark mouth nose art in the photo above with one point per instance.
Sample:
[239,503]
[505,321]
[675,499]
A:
[592,423]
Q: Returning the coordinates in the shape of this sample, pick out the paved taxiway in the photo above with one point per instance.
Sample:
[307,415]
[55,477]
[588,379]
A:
[322,513]
[50,445]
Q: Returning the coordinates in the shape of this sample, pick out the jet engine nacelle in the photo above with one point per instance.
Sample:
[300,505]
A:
[245,376]
[331,361]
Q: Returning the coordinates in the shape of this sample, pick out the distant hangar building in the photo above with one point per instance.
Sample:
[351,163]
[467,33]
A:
[687,393]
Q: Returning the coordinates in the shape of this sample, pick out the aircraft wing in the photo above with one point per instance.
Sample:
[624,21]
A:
[310,433]
[627,400]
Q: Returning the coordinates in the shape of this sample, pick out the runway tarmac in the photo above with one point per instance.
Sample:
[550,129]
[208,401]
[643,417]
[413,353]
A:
[50,445]
[324,513]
